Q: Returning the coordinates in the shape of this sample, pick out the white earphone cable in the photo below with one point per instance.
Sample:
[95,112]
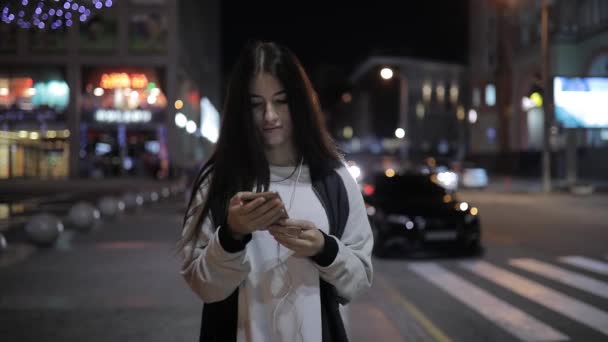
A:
[283,265]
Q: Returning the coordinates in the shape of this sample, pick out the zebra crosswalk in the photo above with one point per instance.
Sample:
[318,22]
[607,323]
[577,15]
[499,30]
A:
[522,277]
[586,263]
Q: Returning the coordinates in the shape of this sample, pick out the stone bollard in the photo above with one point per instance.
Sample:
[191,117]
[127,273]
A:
[84,217]
[132,201]
[110,207]
[44,229]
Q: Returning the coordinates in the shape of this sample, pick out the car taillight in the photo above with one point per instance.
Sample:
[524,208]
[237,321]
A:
[368,189]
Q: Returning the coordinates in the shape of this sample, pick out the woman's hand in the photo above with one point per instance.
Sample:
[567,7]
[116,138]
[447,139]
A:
[300,236]
[246,213]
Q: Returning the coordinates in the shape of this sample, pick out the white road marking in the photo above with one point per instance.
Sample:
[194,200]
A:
[563,276]
[586,263]
[561,303]
[508,317]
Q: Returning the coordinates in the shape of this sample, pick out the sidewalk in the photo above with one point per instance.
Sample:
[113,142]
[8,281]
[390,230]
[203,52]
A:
[19,199]
[510,184]
[21,189]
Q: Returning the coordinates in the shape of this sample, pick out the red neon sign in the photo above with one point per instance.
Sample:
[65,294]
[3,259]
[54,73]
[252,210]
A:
[123,80]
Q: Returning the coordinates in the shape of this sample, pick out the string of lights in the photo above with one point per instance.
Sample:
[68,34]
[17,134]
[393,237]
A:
[51,14]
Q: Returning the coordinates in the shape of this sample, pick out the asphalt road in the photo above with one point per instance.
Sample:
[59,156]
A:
[543,276]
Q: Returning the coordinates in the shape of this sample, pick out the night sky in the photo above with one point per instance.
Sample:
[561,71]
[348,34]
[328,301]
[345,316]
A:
[336,32]
[332,37]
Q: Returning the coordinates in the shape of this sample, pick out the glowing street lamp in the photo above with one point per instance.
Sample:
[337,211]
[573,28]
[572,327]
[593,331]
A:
[386,73]
[400,133]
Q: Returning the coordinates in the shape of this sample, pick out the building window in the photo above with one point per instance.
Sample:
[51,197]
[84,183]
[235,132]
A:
[476,100]
[491,60]
[427,91]
[8,43]
[525,35]
[490,95]
[100,33]
[46,40]
[454,93]
[148,32]
[440,92]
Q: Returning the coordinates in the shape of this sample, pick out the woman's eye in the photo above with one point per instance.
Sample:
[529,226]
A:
[256,104]
[281,101]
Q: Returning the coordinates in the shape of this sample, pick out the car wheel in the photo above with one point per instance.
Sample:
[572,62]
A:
[473,248]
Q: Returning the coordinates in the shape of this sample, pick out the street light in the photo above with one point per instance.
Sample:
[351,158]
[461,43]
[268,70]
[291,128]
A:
[386,73]
[191,127]
[400,133]
[547,84]
[181,120]
[547,106]
[472,116]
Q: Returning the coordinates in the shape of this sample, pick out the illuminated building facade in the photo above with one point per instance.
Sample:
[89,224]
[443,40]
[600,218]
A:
[404,107]
[99,97]
[507,91]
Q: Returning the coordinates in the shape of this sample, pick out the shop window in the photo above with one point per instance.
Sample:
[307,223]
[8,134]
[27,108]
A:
[128,95]
[29,94]
[4,160]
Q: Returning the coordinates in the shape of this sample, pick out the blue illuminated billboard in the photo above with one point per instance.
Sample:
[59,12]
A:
[581,102]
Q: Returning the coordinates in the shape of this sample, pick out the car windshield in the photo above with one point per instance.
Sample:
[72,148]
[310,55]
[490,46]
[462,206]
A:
[408,186]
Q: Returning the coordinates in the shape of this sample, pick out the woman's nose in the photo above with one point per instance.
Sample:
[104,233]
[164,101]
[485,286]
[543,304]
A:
[270,114]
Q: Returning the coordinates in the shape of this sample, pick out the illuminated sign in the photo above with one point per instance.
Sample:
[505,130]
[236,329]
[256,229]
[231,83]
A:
[123,80]
[122,116]
[210,120]
[581,102]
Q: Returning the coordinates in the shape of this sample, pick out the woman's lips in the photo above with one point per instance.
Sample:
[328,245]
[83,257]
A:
[272,129]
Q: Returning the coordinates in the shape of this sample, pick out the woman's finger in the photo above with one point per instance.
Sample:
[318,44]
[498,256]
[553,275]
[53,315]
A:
[266,219]
[250,206]
[290,241]
[306,225]
[265,208]
[275,219]
[286,241]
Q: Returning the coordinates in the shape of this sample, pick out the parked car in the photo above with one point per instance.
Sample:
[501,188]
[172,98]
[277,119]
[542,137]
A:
[475,177]
[413,211]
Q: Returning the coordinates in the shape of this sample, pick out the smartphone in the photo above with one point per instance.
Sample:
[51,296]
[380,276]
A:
[268,196]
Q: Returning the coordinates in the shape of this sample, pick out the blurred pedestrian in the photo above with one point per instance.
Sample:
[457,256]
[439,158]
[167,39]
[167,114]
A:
[276,235]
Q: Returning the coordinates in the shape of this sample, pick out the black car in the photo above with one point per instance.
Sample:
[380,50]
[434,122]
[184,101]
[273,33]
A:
[413,212]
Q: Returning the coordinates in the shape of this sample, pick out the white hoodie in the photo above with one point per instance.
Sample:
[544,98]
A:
[279,294]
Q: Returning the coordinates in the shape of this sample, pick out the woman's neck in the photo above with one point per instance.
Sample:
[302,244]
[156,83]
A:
[284,155]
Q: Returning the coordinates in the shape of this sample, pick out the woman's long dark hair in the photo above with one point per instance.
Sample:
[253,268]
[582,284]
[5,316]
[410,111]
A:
[238,162]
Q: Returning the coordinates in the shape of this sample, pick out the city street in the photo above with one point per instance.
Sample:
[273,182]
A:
[542,277]
[478,128]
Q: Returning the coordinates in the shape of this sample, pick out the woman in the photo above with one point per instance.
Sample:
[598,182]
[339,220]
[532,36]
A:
[275,267]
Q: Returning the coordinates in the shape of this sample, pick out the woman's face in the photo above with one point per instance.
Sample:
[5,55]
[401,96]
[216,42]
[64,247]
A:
[270,110]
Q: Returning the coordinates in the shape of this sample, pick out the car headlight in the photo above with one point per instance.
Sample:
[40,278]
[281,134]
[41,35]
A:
[448,180]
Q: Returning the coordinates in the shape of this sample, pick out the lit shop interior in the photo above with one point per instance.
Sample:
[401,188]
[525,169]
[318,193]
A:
[123,131]
[34,140]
